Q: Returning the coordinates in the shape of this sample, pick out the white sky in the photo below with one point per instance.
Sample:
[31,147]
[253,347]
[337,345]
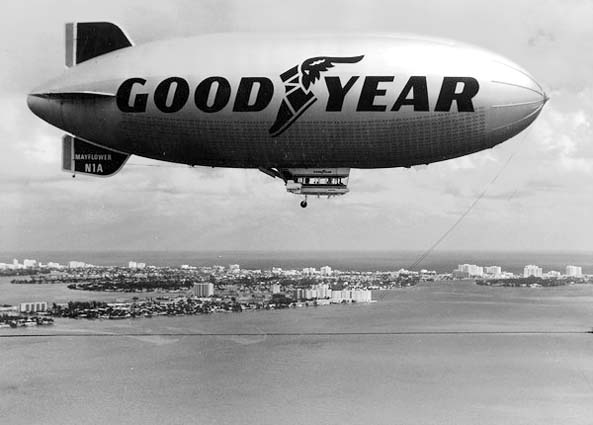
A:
[543,200]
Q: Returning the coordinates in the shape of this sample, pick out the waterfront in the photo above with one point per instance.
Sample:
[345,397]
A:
[54,293]
[353,378]
[364,261]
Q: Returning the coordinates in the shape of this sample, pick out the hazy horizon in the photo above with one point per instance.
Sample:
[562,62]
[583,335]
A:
[440,261]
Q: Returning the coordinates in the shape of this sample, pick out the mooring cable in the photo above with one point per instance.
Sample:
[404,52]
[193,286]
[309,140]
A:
[472,205]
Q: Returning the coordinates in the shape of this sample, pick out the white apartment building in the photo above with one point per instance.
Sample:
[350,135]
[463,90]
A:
[574,271]
[323,291]
[532,270]
[493,270]
[29,264]
[203,289]
[32,307]
[471,269]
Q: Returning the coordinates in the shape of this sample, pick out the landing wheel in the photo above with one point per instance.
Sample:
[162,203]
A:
[303,204]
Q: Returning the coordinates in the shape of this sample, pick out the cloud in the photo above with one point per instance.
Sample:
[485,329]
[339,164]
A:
[564,134]
[542,37]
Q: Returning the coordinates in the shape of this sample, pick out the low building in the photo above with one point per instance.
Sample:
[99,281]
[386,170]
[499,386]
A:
[9,310]
[33,307]
[460,274]
[203,289]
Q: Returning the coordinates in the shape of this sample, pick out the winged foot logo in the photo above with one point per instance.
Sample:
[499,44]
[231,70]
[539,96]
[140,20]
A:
[297,84]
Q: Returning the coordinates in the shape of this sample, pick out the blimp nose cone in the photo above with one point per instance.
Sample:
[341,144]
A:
[45,108]
[546,98]
[516,99]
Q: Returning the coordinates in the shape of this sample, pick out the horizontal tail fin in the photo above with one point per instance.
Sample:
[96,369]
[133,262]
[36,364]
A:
[74,96]
[87,40]
[80,157]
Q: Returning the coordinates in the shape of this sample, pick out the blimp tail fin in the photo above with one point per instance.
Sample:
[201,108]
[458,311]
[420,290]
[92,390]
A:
[87,40]
[82,157]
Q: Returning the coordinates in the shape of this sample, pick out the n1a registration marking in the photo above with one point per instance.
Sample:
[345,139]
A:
[86,158]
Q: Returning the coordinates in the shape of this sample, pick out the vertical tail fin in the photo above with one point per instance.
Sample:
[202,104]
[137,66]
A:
[80,157]
[86,40]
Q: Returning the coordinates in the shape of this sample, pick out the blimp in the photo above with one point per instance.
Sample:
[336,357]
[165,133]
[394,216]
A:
[302,108]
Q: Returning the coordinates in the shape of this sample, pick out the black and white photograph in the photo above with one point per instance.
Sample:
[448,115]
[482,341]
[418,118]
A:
[276,212]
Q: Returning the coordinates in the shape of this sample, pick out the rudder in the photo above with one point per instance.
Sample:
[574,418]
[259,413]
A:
[87,40]
[81,157]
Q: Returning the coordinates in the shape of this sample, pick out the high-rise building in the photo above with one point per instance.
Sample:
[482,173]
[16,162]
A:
[310,294]
[471,269]
[532,270]
[29,264]
[326,271]
[76,264]
[276,288]
[132,265]
[574,271]
[323,290]
[297,294]
[361,295]
[203,289]
[234,268]
[493,270]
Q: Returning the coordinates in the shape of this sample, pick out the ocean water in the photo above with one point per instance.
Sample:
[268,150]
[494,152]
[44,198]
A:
[356,364]
[442,262]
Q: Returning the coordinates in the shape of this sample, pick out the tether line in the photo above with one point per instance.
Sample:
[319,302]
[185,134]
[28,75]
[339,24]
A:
[470,208]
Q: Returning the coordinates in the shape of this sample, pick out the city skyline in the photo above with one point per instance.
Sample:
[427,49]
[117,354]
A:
[462,270]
